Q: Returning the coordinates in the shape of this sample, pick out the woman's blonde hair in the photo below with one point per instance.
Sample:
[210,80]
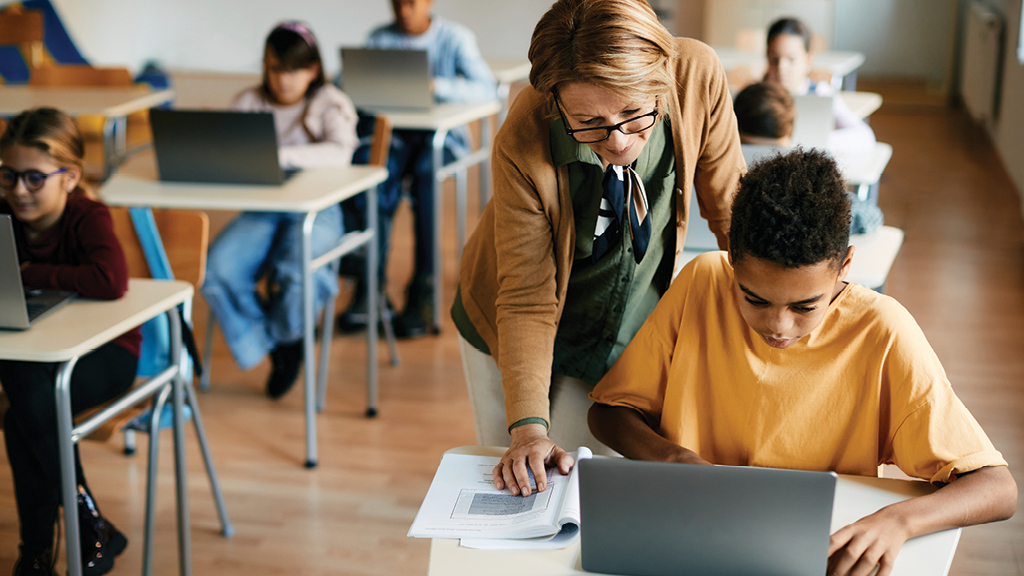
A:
[51,131]
[617,44]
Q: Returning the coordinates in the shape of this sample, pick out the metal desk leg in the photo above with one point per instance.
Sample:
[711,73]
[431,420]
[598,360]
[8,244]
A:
[438,149]
[372,309]
[218,496]
[326,337]
[154,458]
[308,342]
[68,480]
[180,470]
[115,143]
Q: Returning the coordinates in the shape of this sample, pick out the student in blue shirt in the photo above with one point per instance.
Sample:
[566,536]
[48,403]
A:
[460,74]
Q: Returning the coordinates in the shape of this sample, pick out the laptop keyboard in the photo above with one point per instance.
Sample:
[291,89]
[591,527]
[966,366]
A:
[35,309]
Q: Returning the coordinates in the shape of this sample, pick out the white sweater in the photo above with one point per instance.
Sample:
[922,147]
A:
[330,119]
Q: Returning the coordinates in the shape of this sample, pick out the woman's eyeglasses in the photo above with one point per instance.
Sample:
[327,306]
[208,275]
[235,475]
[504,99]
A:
[602,133]
[34,179]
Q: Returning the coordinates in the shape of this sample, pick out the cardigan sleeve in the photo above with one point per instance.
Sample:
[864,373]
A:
[721,163]
[527,301]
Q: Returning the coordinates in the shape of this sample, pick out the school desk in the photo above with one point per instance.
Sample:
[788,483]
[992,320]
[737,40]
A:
[113,103]
[307,192]
[856,497]
[842,65]
[79,328]
[863,104]
[442,119]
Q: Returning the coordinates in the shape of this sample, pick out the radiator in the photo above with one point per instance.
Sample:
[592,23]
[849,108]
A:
[982,62]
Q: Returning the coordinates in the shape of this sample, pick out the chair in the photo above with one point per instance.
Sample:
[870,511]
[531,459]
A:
[380,144]
[114,137]
[24,29]
[185,236]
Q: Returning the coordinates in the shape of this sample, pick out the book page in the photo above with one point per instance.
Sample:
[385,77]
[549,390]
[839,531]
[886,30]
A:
[462,502]
[568,519]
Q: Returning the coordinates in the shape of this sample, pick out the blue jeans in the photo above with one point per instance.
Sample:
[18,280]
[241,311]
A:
[412,155]
[266,244]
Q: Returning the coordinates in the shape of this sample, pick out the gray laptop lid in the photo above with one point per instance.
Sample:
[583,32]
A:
[378,79]
[814,121]
[662,519]
[225,147]
[18,311]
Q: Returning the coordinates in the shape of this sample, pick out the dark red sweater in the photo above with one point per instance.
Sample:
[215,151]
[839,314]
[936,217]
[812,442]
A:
[81,253]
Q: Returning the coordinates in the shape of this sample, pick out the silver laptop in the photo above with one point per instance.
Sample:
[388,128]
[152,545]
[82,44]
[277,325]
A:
[662,519]
[219,146]
[814,121]
[382,79]
[20,308]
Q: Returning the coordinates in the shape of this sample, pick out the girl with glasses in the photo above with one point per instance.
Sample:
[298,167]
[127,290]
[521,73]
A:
[316,126]
[65,241]
[593,170]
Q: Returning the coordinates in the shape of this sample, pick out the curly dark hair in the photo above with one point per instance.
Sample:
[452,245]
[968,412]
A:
[792,210]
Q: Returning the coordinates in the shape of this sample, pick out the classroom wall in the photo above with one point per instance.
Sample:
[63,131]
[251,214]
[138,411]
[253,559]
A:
[903,38]
[227,35]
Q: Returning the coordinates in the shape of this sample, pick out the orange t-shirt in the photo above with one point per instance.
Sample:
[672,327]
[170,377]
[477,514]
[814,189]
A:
[863,389]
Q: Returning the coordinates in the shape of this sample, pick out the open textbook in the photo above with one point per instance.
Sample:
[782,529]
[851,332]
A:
[463,503]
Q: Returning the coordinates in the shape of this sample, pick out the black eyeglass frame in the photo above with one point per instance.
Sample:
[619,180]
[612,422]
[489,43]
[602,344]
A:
[23,176]
[608,129]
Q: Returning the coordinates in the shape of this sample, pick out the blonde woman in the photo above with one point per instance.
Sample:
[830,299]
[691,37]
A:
[593,169]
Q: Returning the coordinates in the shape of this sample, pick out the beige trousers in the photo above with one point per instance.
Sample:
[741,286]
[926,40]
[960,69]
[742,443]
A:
[569,405]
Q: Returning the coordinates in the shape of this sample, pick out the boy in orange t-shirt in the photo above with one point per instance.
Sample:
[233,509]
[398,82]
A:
[765,356]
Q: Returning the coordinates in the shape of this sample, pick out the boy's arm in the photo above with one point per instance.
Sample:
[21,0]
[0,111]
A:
[988,494]
[626,431]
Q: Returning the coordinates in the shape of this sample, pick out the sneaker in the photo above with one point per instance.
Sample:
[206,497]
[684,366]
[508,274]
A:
[417,319]
[34,563]
[101,541]
[285,362]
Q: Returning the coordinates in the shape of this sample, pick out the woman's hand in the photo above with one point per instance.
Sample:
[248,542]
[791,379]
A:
[531,449]
[874,540]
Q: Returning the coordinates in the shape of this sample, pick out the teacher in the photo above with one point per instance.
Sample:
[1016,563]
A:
[593,171]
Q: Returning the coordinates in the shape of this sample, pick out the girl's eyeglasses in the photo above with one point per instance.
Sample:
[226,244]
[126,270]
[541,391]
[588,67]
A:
[602,133]
[34,179]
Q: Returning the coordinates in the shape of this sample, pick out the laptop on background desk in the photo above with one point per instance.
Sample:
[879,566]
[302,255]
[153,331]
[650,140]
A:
[662,519]
[218,146]
[382,79]
[814,121]
[20,308]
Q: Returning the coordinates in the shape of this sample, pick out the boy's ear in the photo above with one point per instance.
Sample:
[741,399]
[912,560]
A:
[845,268]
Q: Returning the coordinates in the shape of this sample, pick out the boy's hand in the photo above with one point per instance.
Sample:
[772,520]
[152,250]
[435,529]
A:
[874,540]
[530,447]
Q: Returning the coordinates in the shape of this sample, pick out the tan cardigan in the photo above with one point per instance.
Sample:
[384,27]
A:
[515,267]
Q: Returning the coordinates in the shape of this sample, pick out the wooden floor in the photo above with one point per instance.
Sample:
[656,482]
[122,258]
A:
[961,273]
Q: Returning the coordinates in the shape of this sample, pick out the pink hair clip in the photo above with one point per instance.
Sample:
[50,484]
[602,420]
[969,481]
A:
[300,29]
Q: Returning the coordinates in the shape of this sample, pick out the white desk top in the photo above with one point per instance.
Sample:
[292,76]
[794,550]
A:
[838,63]
[311,190]
[509,70]
[85,325]
[864,168]
[863,104]
[441,116]
[874,255]
[855,498]
[80,101]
